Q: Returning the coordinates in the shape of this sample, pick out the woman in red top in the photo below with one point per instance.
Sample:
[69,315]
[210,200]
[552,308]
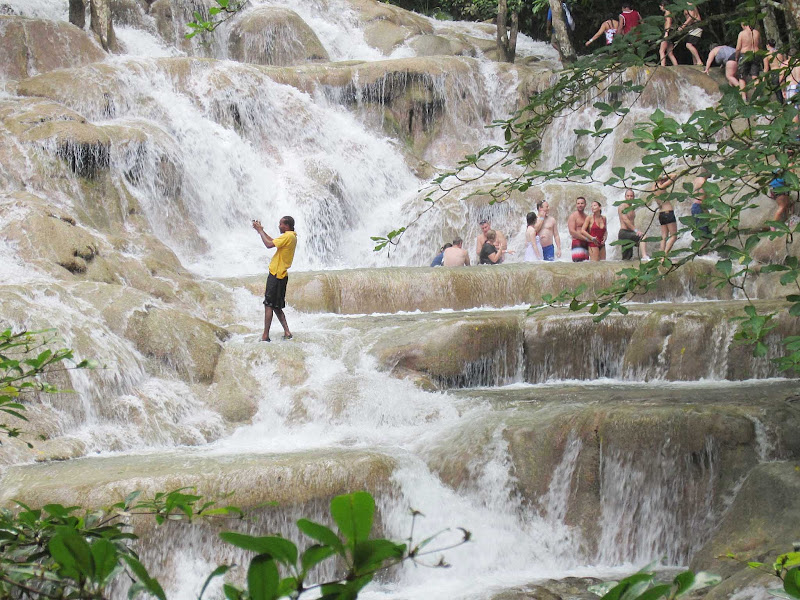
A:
[595,227]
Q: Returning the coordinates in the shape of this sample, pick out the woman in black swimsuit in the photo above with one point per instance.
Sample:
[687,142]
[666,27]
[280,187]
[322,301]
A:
[666,214]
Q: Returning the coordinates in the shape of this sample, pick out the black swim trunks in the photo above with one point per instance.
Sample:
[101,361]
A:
[632,236]
[694,40]
[667,217]
[275,293]
[748,67]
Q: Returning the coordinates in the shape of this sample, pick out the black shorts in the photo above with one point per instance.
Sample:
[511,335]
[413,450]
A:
[275,294]
[632,236]
[667,217]
[692,39]
[748,67]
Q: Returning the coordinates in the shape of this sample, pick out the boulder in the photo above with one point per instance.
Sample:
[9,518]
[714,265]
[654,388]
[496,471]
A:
[84,147]
[274,36]
[757,527]
[434,45]
[387,26]
[254,479]
[185,344]
[468,352]
[32,46]
[45,235]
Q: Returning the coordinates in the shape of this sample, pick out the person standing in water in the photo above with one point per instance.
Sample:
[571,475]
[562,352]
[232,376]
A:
[532,250]
[595,227]
[627,228]
[666,214]
[548,232]
[275,292]
[580,240]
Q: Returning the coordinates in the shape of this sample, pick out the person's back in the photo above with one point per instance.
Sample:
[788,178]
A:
[455,256]
[749,40]
[628,19]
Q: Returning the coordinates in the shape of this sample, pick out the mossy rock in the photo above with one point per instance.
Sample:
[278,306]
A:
[274,36]
[184,343]
[32,46]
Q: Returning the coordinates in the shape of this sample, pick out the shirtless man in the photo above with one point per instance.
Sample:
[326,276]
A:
[580,241]
[548,232]
[455,255]
[500,241]
[749,40]
[774,63]
[627,229]
[692,16]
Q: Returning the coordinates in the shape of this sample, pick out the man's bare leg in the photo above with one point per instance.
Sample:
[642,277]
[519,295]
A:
[282,320]
[267,322]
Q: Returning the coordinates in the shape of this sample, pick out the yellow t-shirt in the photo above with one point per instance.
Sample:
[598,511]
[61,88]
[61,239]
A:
[280,263]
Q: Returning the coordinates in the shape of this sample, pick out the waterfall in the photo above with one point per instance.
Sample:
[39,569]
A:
[566,447]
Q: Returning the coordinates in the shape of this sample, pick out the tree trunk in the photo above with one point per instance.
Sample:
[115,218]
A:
[561,33]
[77,13]
[101,23]
[506,39]
[771,31]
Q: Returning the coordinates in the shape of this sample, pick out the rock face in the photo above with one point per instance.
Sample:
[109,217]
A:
[364,291]
[587,458]
[388,26]
[32,46]
[274,36]
[186,344]
[757,527]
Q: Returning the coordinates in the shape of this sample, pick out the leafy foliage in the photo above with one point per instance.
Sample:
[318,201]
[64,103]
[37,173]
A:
[644,586]
[207,22]
[25,357]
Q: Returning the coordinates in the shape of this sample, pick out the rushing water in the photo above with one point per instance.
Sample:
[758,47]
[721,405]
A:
[200,148]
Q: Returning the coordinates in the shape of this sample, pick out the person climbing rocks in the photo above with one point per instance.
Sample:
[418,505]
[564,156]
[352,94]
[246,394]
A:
[629,19]
[747,44]
[692,23]
[608,29]
[275,292]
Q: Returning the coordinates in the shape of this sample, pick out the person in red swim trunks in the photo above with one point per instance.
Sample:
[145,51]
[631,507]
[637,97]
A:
[595,228]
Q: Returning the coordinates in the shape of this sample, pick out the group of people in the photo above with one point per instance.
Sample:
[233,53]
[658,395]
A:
[588,231]
[739,63]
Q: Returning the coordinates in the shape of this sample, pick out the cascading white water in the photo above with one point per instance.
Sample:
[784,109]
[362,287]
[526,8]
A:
[204,146]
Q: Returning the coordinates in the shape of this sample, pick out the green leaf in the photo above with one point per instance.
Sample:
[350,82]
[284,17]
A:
[106,560]
[278,548]
[262,578]
[220,570]
[149,584]
[321,534]
[353,514]
[659,591]
[683,582]
[791,582]
[368,555]
[315,555]
[231,592]
[71,551]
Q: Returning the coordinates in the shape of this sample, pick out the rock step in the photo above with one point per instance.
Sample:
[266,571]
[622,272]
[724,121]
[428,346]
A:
[407,289]
[665,341]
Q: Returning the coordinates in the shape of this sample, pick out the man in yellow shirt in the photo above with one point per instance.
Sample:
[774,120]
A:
[275,293]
